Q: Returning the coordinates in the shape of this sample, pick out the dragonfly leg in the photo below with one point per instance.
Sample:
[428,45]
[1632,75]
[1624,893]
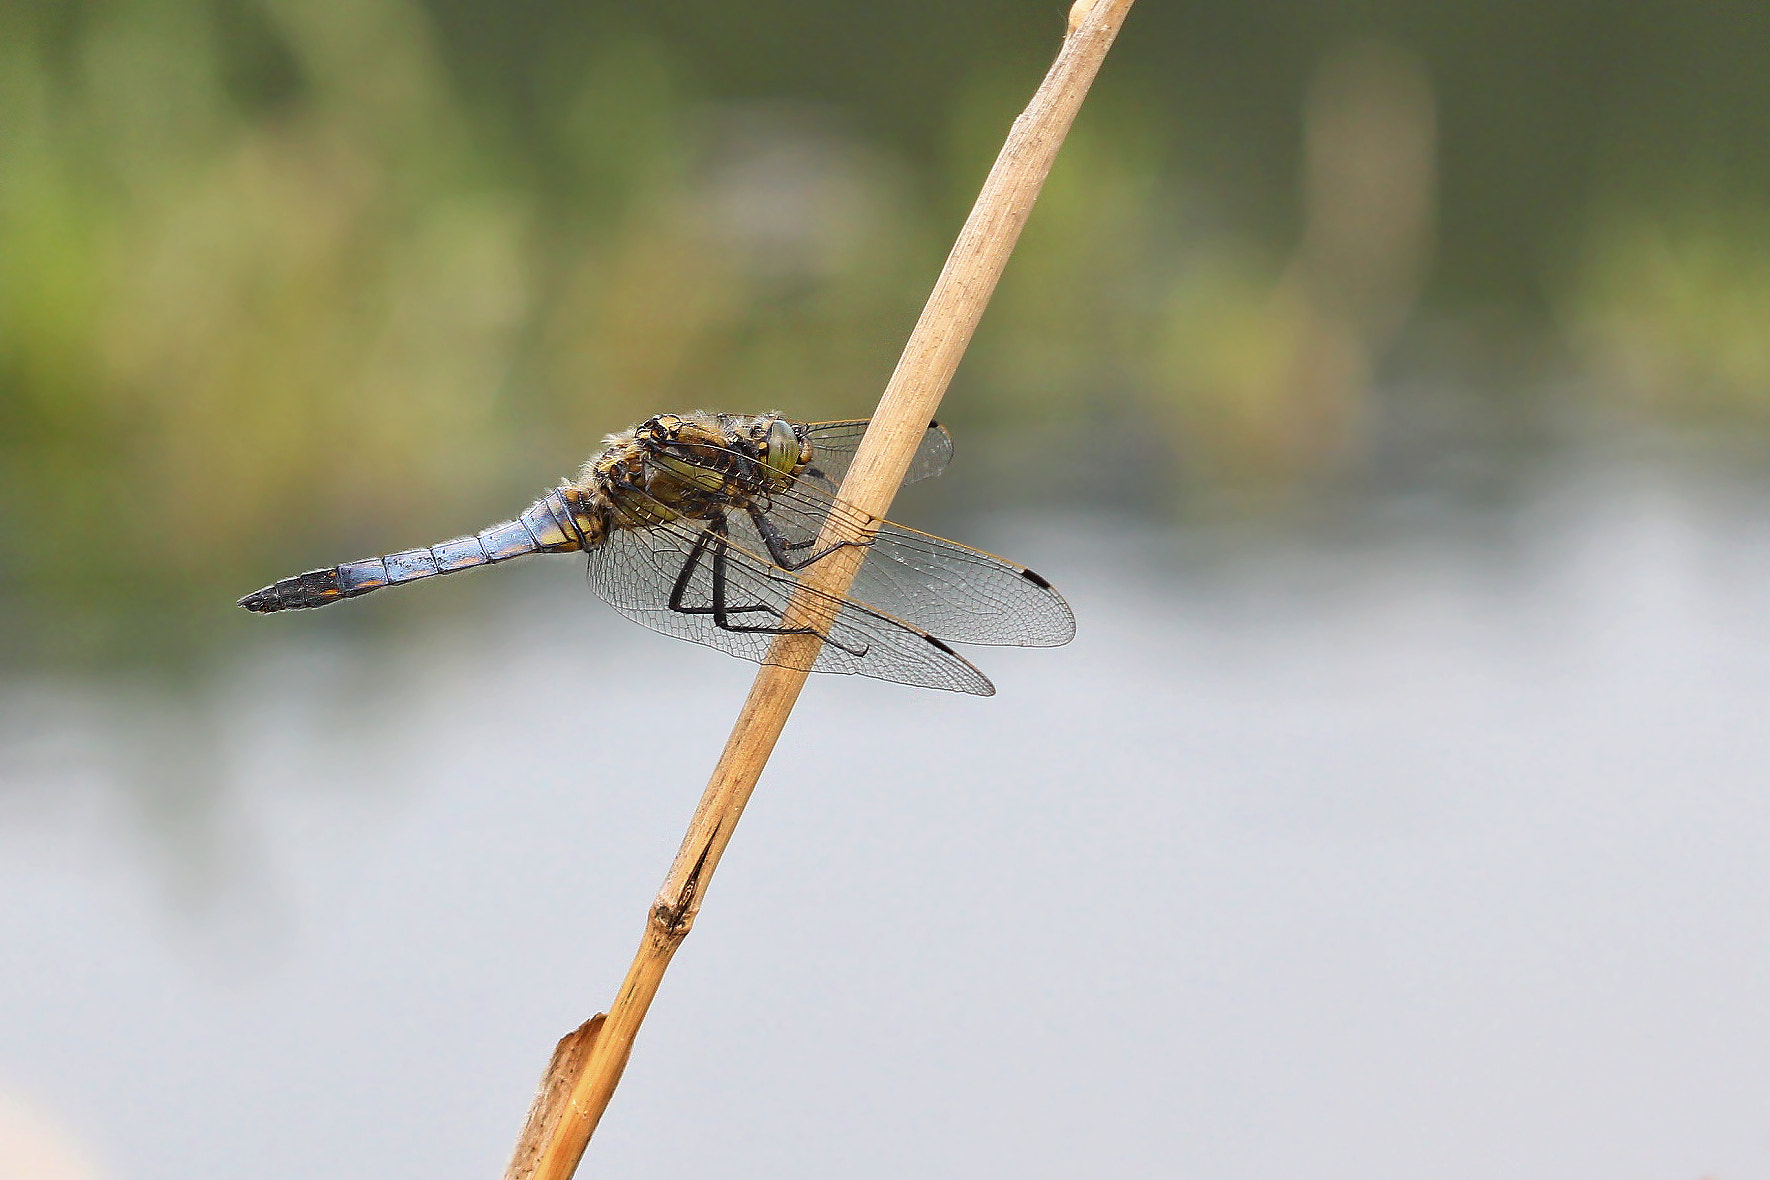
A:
[780,549]
[713,538]
[719,567]
[719,609]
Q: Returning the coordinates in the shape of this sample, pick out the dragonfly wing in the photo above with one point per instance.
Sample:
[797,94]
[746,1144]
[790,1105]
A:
[958,593]
[836,442]
[664,577]
[955,592]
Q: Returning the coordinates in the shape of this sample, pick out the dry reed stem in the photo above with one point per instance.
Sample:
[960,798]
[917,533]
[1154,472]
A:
[929,359]
[538,1130]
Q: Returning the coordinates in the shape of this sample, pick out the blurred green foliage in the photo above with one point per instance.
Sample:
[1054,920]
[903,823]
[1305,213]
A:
[1672,311]
[290,281]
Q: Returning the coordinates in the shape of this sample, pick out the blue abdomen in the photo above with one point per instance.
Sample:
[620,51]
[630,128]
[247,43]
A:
[548,526]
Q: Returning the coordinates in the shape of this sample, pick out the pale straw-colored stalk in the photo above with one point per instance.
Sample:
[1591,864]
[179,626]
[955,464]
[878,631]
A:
[588,1063]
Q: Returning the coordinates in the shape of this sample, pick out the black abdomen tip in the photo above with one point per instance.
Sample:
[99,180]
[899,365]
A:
[314,588]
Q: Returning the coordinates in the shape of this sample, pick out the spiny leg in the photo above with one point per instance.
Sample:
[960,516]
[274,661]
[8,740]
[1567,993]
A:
[720,551]
[714,536]
[779,548]
[683,578]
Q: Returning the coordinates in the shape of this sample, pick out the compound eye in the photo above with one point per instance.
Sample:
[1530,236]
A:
[783,447]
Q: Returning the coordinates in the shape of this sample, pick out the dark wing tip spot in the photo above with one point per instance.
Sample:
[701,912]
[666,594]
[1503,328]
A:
[1035,579]
[941,645]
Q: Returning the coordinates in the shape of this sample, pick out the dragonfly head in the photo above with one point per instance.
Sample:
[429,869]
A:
[785,450]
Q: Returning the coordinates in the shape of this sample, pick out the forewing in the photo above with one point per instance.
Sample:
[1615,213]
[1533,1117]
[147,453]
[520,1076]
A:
[637,571]
[835,444]
[958,593]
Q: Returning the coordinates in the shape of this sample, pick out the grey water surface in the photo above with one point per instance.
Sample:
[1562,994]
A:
[1437,847]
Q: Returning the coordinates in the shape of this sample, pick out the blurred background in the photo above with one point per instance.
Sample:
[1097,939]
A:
[1387,384]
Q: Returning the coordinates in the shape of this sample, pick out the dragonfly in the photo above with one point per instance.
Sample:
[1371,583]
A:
[703,526]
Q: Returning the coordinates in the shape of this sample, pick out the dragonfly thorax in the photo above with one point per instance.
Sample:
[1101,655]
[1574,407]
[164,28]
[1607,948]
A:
[726,459]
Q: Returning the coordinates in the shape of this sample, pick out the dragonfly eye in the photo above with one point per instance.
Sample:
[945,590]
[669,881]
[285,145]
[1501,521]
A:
[782,448]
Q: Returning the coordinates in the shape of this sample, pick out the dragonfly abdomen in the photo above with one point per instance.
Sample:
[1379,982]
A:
[559,522]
